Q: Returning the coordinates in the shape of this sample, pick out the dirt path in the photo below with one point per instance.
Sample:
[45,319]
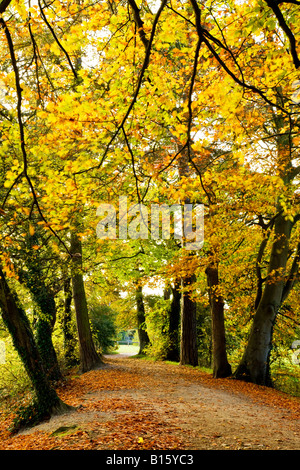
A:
[140,404]
[211,417]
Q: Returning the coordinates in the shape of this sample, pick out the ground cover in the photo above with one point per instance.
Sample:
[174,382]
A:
[135,404]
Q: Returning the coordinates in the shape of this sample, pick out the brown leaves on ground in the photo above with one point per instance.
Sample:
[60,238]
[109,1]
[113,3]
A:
[133,404]
[99,429]
[258,393]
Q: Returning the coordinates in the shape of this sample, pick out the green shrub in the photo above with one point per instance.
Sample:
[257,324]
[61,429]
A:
[13,376]
[103,327]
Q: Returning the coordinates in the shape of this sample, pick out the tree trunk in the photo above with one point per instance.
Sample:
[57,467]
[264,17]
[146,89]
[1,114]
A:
[46,321]
[16,321]
[47,351]
[69,340]
[89,358]
[141,320]
[221,367]
[33,278]
[188,346]
[173,349]
[188,343]
[254,365]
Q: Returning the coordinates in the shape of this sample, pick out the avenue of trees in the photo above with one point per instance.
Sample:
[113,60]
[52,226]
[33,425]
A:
[168,103]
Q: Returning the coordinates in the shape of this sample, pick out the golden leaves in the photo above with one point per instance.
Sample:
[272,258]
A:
[31,230]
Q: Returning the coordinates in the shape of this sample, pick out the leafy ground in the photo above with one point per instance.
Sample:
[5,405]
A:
[139,404]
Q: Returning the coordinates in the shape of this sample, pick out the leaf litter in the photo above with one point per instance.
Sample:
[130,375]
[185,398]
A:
[133,404]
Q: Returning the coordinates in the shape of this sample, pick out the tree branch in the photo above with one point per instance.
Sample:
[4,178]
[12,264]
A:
[206,37]
[21,130]
[260,280]
[57,40]
[133,165]
[3,5]
[34,45]
[246,86]
[139,23]
[294,2]
[282,23]
[267,227]
[137,90]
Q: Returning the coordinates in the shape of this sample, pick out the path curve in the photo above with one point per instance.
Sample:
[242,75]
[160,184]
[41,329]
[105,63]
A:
[212,416]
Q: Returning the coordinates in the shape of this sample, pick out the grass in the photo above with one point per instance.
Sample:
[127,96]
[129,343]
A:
[130,349]
[286,376]
[287,383]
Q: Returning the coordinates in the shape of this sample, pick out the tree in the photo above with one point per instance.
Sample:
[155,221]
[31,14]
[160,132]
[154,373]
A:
[14,317]
[66,321]
[221,367]
[43,295]
[141,319]
[283,258]
[173,347]
[103,326]
[89,358]
[188,347]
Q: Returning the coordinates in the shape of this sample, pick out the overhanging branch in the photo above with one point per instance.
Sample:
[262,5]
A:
[3,5]
[19,90]
[285,28]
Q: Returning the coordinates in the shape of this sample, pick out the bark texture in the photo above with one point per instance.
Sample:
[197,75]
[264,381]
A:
[221,366]
[66,322]
[89,358]
[141,319]
[188,344]
[173,349]
[16,321]
[254,365]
